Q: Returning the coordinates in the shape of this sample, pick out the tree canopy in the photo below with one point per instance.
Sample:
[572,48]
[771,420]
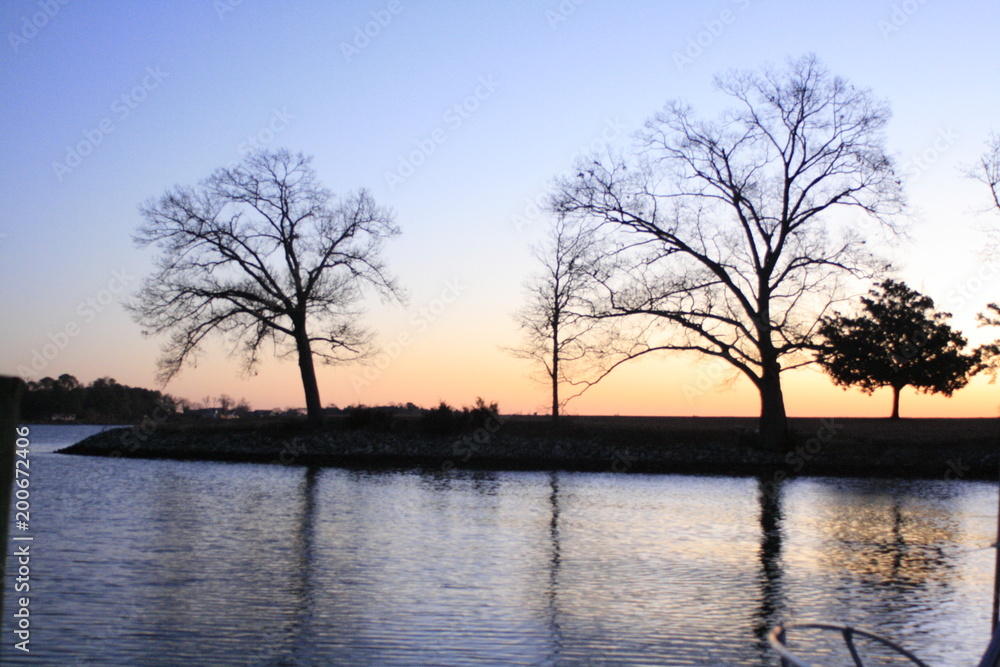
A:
[103,400]
[261,253]
[897,340]
[725,242]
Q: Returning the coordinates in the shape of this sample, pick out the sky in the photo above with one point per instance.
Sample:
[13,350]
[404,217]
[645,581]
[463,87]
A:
[458,116]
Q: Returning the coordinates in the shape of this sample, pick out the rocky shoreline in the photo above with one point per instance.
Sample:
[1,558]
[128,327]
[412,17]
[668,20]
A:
[830,450]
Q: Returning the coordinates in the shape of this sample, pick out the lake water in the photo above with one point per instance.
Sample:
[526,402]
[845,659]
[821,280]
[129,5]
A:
[140,562]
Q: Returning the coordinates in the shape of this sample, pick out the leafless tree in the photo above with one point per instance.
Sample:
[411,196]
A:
[726,233]
[262,253]
[987,171]
[557,331]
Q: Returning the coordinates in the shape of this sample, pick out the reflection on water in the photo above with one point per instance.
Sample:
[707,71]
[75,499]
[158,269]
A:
[161,562]
[554,630]
[770,610]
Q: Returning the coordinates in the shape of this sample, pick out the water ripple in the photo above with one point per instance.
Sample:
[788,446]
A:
[162,563]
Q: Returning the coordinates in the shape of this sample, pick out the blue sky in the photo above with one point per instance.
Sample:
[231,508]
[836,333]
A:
[506,93]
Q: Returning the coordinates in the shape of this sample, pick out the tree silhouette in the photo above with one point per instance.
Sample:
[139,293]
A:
[262,253]
[555,334]
[987,170]
[723,237]
[104,400]
[898,340]
[67,382]
[990,352]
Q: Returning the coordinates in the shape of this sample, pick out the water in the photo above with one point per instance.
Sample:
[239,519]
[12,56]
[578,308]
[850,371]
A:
[167,562]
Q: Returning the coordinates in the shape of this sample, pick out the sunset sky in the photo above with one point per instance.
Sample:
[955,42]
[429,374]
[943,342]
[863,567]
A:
[106,105]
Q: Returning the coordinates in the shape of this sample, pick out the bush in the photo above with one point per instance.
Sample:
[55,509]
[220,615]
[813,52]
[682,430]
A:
[482,414]
[442,420]
[446,420]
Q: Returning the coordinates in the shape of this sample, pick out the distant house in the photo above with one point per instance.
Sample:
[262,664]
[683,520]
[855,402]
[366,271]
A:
[261,414]
[203,413]
[63,417]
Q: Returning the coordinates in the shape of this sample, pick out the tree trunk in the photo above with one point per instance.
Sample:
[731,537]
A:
[555,400]
[314,409]
[895,402]
[773,420]
[555,375]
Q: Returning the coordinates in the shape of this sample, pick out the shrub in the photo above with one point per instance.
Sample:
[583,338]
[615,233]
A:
[442,420]
[482,414]
[445,420]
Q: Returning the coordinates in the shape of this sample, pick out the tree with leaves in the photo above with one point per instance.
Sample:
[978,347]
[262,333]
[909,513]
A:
[262,253]
[104,400]
[556,334]
[897,340]
[726,237]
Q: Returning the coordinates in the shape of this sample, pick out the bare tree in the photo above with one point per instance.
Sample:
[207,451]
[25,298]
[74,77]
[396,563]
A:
[556,332]
[724,229]
[987,171]
[262,253]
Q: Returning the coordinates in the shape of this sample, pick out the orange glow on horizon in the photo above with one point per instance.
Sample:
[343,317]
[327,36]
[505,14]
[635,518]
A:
[431,371]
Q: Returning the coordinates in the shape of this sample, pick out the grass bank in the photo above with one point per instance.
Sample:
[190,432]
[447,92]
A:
[925,448]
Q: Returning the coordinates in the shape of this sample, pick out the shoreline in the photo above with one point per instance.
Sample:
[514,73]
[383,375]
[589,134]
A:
[874,448]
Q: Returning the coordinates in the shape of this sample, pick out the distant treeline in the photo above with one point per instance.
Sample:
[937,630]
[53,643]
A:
[104,400]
